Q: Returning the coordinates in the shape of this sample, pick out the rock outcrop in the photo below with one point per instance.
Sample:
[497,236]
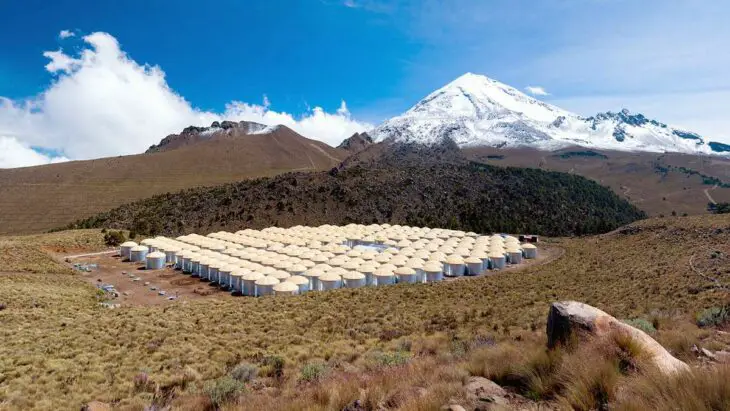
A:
[569,319]
[356,143]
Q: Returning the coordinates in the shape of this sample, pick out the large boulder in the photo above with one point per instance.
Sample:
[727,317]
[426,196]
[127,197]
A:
[568,319]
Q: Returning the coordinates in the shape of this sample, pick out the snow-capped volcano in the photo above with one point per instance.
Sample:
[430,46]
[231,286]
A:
[475,110]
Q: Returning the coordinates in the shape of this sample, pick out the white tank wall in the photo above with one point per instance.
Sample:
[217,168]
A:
[530,253]
[136,256]
[498,262]
[474,268]
[432,277]
[355,283]
[154,263]
[456,270]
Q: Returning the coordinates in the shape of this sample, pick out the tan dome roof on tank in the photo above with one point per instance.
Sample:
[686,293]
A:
[139,248]
[433,267]
[266,280]
[529,246]
[156,254]
[353,275]
[438,256]
[297,280]
[415,263]
[367,268]
[404,271]
[384,272]
[241,272]
[280,274]
[473,260]
[330,276]
[496,255]
[454,259]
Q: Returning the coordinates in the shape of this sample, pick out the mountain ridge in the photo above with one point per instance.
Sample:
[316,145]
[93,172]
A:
[475,110]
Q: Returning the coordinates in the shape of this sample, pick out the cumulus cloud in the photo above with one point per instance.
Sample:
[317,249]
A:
[103,103]
[64,34]
[537,91]
[13,153]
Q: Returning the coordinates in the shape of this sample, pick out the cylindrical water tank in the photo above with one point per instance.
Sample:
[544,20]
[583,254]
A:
[474,266]
[456,266]
[155,261]
[354,279]
[434,271]
[330,281]
[224,275]
[203,267]
[179,258]
[249,283]
[265,285]
[286,288]
[515,255]
[237,280]
[384,276]
[195,263]
[406,275]
[368,269]
[417,264]
[497,260]
[313,275]
[125,250]
[138,253]
[213,270]
[170,254]
[530,251]
[300,281]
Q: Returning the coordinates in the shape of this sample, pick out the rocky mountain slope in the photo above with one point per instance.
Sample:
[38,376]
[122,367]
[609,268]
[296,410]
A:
[424,186]
[475,110]
[40,198]
[216,131]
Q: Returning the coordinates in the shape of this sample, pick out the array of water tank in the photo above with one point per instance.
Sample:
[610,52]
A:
[300,259]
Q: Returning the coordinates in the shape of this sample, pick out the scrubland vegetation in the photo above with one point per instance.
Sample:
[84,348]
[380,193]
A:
[398,347]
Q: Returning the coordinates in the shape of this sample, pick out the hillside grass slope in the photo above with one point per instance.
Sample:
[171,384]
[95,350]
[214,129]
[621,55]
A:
[456,194]
[325,350]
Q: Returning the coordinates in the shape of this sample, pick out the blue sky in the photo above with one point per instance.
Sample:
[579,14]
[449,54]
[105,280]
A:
[664,58]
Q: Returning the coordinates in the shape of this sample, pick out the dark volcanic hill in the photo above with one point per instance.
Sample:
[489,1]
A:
[357,142]
[439,188]
[216,131]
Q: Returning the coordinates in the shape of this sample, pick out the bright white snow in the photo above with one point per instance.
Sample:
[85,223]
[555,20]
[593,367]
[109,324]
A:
[475,110]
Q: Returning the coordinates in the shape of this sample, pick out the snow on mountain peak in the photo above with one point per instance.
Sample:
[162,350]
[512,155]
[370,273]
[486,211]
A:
[475,110]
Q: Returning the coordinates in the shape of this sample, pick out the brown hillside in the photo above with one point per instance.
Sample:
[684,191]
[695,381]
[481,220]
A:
[653,182]
[34,199]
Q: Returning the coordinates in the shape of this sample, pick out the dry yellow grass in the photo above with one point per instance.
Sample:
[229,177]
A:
[61,349]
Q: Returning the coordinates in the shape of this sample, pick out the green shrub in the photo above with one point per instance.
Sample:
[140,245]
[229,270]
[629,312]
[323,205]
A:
[114,238]
[244,372]
[641,324]
[313,372]
[713,317]
[222,390]
[273,366]
[392,359]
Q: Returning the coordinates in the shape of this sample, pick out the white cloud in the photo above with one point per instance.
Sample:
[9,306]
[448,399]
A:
[537,91]
[13,153]
[103,103]
[64,34]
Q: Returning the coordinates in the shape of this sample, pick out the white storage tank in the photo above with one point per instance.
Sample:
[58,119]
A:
[203,267]
[497,260]
[125,250]
[515,255]
[286,288]
[265,285]
[138,253]
[354,279]
[330,281]
[155,261]
[367,269]
[434,271]
[237,280]
[224,275]
[300,281]
[474,265]
[179,258]
[249,283]
[213,270]
[406,275]
[195,263]
[170,254]
[187,265]
[384,276]
[417,264]
[313,275]
[456,266]
[530,251]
